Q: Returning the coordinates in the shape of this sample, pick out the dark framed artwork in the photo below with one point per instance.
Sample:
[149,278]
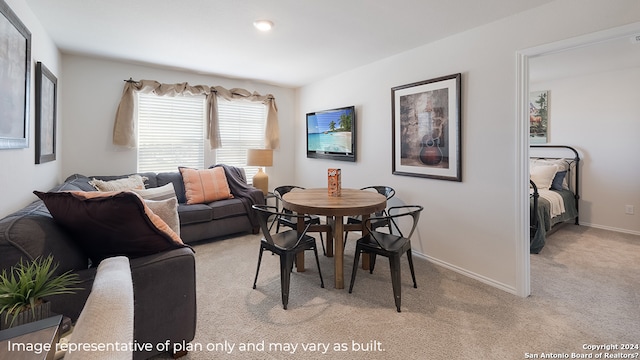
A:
[46,110]
[15,75]
[426,129]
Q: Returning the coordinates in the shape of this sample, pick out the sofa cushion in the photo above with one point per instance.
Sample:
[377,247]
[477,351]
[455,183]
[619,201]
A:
[195,213]
[227,208]
[205,185]
[32,232]
[216,210]
[106,224]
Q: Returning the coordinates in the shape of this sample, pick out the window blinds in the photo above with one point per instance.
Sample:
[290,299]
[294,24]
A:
[170,132]
[241,127]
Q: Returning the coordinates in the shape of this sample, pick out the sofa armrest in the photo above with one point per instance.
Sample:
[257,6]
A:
[164,288]
[107,316]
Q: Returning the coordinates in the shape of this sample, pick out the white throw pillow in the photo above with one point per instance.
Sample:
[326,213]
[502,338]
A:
[167,210]
[158,193]
[542,175]
[131,182]
[562,164]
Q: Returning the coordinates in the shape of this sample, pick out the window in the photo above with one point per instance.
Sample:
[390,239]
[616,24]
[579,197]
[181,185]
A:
[241,127]
[170,132]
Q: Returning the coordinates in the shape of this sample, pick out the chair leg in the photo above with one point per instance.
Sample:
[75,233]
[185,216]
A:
[394,264]
[286,261]
[413,274]
[324,252]
[258,269]
[372,262]
[356,260]
[315,252]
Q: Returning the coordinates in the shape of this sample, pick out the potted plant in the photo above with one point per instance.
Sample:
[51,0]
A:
[24,288]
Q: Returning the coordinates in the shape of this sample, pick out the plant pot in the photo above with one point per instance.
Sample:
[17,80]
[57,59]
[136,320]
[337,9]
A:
[41,310]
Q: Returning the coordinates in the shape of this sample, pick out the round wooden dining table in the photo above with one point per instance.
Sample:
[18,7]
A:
[317,201]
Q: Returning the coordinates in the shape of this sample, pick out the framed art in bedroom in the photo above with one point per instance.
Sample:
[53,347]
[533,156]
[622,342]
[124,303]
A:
[46,110]
[426,128]
[15,75]
[539,117]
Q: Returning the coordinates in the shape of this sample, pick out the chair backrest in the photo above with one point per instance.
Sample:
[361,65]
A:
[395,216]
[387,191]
[268,215]
[280,191]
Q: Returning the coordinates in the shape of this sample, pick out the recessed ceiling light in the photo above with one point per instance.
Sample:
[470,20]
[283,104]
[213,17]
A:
[263,25]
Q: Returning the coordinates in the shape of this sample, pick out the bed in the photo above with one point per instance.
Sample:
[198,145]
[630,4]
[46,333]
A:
[553,191]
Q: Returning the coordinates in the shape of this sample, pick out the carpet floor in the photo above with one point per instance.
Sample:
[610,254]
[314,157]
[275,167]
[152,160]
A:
[585,294]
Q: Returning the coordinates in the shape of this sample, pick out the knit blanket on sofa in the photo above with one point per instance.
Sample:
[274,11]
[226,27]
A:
[240,189]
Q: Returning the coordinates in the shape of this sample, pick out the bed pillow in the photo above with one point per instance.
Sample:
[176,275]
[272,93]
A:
[128,183]
[543,175]
[559,180]
[107,224]
[204,186]
[561,176]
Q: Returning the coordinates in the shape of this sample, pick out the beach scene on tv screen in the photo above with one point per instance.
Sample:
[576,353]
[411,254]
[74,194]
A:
[330,131]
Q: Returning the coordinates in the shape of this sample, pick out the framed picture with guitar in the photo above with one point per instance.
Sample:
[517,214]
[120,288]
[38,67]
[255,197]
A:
[426,129]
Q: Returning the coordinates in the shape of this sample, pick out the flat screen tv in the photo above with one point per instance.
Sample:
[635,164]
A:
[331,134]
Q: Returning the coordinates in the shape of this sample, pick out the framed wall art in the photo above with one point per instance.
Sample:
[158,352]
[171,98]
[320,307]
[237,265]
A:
[46,113]
[426,129]
[15,75]
[539,117]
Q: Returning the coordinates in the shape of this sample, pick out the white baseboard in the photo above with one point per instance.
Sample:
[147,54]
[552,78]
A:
[467,273]
[603,227]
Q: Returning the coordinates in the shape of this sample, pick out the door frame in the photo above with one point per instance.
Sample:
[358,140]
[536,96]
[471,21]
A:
[523,257]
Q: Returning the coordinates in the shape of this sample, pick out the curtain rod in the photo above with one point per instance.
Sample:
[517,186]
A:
[131,81]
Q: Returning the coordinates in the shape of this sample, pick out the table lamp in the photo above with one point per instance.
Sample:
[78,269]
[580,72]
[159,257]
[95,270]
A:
[260,157]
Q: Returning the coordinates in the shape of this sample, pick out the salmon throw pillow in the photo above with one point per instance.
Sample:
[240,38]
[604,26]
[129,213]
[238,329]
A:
[205,186]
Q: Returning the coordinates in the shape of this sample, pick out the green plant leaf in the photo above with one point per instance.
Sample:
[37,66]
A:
[28,283]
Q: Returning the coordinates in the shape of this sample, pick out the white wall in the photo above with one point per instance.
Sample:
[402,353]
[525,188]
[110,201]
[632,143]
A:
[468,226]
[92,91]
[19,175]
[598,114]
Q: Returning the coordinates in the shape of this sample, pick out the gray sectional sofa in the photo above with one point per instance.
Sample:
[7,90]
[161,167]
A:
[199,221]
[164,282]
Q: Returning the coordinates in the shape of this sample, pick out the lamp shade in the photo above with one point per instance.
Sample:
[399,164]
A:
[259,157]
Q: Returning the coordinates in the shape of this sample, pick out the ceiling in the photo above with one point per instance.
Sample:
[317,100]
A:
[311,40]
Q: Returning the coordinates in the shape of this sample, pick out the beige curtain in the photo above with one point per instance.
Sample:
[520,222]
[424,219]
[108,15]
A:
[125,130]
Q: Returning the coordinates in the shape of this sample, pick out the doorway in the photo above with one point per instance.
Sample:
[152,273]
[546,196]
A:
[523,283]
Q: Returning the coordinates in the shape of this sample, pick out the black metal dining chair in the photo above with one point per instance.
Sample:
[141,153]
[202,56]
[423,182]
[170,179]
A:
[291,222]
[286,245]
[388,192]
[391,245]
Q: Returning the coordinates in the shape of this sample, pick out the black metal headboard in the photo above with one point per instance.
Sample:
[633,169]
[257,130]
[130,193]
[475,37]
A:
[561,152]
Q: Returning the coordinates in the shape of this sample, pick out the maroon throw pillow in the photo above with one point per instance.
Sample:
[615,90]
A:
[106,224]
